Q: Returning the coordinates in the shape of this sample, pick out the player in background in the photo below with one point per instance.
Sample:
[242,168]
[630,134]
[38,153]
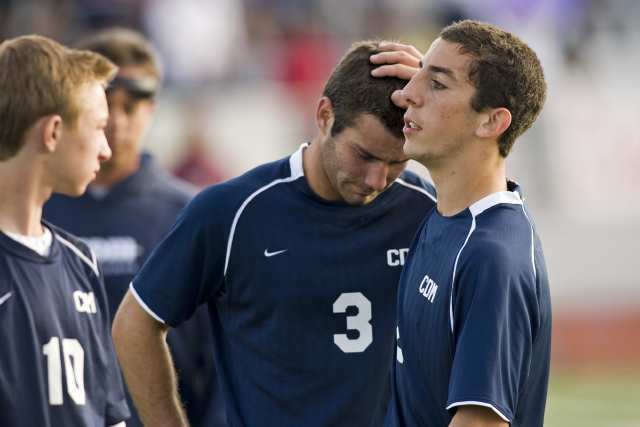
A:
[130,207]
[474,311]
[298,262]
[57,364]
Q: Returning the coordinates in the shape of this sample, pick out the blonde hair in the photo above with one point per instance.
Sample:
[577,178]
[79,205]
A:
[39,77]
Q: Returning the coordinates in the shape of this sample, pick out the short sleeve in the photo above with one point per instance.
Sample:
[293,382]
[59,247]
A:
[186,269]
[494,312]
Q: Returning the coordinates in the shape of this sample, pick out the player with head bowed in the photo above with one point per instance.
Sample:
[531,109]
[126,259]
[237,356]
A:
[57,364]
[298,262]
[474,311]
[130,207]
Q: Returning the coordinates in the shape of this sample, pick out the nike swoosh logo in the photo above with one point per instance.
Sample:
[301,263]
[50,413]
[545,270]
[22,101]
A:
[5,297]
[270,254]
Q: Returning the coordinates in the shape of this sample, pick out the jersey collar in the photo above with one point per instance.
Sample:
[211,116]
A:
[512,196]
[295,162]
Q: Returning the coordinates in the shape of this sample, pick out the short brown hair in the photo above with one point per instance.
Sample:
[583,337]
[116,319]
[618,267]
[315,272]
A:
[354,91]
[506,73]
[125,48]
[38,77]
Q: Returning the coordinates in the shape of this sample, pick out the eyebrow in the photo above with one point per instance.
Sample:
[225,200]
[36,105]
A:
[442,70]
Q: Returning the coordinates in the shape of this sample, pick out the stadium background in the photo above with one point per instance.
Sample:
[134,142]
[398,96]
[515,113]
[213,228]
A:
[242,79]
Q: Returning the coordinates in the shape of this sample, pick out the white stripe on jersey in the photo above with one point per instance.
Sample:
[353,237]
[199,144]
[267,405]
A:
[295,164]
[502,197]
[90,262]
[455,267]
[415,187]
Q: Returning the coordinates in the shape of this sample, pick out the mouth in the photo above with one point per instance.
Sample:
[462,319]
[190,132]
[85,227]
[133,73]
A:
[410,126]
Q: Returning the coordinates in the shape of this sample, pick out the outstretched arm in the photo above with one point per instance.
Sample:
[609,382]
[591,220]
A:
[140,342]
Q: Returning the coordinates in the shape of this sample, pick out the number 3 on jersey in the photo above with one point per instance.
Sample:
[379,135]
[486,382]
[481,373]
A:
[360,322]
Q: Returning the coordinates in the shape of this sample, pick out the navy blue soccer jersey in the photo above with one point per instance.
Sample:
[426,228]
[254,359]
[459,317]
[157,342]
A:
[301,293]
[57,364]
[474,318]
[122,227]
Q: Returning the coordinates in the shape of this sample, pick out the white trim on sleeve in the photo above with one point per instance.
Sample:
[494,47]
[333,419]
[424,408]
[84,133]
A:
[486,405]
[120,424]
[145,306]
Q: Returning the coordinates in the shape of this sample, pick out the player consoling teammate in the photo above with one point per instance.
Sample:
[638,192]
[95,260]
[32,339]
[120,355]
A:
[57,365]
[474,311]
[298,262]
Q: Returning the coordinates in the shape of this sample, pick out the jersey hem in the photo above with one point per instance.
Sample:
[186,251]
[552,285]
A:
[145,306]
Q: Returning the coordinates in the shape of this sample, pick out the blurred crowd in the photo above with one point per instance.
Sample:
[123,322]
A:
[242,78]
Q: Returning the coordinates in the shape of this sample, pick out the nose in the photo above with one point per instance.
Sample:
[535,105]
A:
[104,153]
[377,175]
[410,95]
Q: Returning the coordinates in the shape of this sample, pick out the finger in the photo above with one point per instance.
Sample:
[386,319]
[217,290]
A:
[398,98]
[393,46]
[399,71]
[395,57]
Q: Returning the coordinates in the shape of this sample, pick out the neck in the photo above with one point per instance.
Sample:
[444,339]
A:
[22,196]
[112,173]
[314,171]
[466,180]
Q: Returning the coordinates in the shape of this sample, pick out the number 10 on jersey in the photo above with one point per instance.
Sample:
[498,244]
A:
[360,322]
[73,355]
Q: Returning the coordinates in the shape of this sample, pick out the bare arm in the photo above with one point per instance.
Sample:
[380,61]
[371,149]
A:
[144,356]
[476,416]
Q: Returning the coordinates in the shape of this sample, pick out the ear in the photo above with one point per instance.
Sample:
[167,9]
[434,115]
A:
[51,132]
[493,123]
[324,115]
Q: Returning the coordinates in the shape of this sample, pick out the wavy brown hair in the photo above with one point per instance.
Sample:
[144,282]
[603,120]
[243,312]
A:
[506,73]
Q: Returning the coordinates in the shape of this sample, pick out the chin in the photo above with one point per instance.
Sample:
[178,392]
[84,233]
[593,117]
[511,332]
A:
[74,191]
[410,150]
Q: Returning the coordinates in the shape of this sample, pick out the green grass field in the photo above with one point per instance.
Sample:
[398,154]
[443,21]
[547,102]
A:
[594,400]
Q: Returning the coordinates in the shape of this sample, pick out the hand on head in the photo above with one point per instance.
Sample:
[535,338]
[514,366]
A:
[396,60]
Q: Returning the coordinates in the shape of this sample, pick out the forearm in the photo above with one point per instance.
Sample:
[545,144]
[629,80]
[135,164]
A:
[476,416]
[145,359]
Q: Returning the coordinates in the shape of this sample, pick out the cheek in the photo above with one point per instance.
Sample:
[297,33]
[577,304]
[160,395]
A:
[355,169]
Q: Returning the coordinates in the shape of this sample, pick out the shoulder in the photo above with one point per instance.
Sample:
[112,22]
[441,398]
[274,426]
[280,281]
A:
[75,248]
[416,185]
[225,199]
[503,229]
[501,245]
